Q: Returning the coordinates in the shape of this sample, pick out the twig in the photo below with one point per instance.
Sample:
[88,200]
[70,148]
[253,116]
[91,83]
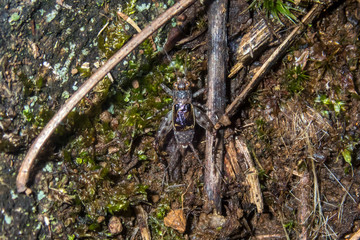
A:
[134,25]
[231,109]
[217,59]
[356,236]
[103,28]
[28,161]
[269,236]
[341,207]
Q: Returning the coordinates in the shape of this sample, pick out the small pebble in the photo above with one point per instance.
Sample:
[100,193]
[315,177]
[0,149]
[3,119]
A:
[74,71]
[28,191]
[115,226]
[105,117]
[155,198]
[135,84]
[100,219]
[114,123]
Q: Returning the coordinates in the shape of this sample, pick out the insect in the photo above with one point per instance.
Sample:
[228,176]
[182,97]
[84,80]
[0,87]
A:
[182,117]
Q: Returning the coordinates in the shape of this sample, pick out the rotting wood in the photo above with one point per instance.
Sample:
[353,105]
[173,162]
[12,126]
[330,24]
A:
[28,161]
[232,108]
[252,43]
[251,173]
[217,59]
[142,217]
[233,160]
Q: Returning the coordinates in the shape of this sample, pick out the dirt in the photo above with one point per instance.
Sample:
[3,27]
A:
[100,176]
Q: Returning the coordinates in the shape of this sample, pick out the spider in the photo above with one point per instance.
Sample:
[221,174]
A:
[182,118]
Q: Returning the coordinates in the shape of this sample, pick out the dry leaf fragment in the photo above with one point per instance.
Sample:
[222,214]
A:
[176,220]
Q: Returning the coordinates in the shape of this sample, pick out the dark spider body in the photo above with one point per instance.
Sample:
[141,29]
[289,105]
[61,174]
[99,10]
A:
[182,117]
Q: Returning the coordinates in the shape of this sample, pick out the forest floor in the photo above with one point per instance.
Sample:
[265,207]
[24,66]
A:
[100,177]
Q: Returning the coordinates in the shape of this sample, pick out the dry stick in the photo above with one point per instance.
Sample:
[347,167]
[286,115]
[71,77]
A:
[28,161]
[217,59]
[356,236]
[231,109]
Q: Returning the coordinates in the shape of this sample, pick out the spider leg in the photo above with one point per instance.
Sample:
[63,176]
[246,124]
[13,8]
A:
[200,106]
[166,89]
[198,92]
[164,128]
[203,120]
[195,152]
[174,165]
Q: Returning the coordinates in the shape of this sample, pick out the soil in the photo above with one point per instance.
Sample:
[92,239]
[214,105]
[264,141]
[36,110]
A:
[100,176]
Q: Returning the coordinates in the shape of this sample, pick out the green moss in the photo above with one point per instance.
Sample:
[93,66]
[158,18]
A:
[346,154]
[28,85]
[14,17]
[84,158]
[348,143]
[31,85]
[161,210]
[141,155]
[100,3]
[39,83]
[289,225]
[71,237]
[84,71]
[94,226]
[27,114]
[113,38]
[39,118]
[117,203]
[328,104]
[295,78]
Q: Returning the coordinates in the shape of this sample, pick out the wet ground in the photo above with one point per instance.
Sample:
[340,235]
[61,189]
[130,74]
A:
[100,177]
